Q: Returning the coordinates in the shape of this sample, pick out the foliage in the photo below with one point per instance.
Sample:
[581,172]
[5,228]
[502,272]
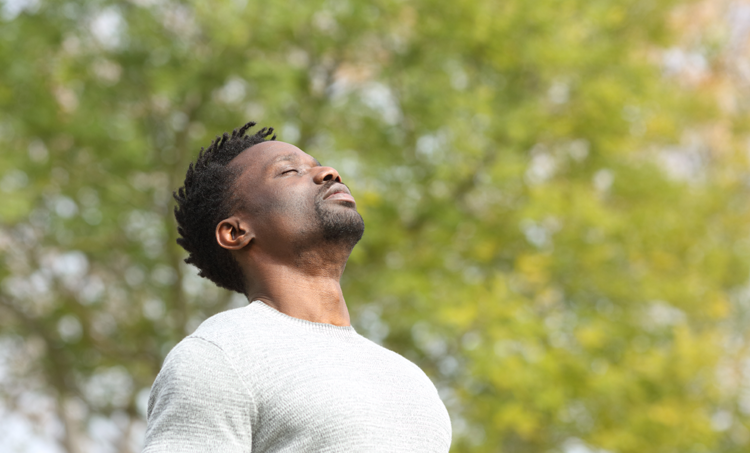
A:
[554,232]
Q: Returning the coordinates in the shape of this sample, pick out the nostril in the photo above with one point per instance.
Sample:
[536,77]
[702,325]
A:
[327,174]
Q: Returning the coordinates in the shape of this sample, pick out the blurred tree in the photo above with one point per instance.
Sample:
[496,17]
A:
[555,205]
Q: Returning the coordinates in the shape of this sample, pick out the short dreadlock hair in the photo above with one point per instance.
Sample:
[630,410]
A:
[206,199]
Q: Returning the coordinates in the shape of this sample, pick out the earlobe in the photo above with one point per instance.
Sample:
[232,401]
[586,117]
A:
[233,233]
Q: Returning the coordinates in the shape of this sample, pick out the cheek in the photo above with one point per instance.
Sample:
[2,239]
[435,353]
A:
[287,210]
[290,202]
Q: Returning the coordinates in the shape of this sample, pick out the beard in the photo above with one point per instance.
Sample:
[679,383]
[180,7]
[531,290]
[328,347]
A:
[339,224]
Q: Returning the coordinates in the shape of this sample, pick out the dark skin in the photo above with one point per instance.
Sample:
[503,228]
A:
[277,238]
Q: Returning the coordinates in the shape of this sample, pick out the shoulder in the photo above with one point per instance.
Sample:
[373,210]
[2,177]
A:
[233,328]
[385,353]
[198,400]
[193,352]
[223,325]
[397,363]
[212,348]
[194,367]
[226,344]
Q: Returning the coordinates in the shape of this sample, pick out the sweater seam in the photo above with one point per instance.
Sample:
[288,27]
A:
[236,371]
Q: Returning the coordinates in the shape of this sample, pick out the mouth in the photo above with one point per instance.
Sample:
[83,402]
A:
[339,192]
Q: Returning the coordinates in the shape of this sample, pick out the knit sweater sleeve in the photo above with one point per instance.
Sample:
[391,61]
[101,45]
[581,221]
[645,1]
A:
[199,403]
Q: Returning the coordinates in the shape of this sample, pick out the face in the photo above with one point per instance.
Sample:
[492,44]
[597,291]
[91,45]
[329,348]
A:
[291,198]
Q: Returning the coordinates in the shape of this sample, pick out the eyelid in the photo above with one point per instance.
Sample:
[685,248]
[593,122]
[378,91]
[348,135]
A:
[296,168]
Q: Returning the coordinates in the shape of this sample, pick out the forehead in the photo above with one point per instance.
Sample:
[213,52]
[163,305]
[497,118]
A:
[263,156]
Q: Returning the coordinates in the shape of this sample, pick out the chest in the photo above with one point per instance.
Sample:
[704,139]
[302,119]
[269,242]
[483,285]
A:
[348,396]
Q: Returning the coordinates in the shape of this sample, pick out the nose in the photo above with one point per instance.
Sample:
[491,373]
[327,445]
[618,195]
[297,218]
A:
[326,174]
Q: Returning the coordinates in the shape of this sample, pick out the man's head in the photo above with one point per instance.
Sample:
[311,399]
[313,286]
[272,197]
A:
[247,193]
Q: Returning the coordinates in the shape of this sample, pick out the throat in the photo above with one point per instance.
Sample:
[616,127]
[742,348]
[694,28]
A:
[312,296]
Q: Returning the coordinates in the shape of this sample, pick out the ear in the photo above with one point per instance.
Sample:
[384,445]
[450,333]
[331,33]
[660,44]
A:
[233,233]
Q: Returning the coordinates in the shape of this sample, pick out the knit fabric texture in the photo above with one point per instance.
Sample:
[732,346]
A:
[256,380]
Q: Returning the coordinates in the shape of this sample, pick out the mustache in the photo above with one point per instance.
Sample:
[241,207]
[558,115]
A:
[324,188]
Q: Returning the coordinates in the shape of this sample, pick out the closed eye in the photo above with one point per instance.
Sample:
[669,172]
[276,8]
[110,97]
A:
[289,171]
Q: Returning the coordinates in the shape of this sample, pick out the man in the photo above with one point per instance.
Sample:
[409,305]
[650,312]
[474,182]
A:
[287,373]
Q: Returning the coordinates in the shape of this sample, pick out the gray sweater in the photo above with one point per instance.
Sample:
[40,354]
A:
[254,379]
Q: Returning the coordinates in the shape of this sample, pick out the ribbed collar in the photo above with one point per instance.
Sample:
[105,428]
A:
[343,332]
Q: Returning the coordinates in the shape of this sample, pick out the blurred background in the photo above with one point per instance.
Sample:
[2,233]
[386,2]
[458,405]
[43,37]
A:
[555,194]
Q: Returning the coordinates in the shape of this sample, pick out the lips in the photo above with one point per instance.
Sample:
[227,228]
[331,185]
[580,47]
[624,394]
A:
[339,192]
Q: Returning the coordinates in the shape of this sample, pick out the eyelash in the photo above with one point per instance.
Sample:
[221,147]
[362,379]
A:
[287,171]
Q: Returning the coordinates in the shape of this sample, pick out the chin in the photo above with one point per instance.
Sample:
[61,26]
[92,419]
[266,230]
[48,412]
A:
[340,225]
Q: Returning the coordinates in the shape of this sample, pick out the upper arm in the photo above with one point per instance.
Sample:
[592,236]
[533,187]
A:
[199,403]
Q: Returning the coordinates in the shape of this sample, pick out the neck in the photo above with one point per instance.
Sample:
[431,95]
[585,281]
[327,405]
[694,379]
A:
[305,289]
